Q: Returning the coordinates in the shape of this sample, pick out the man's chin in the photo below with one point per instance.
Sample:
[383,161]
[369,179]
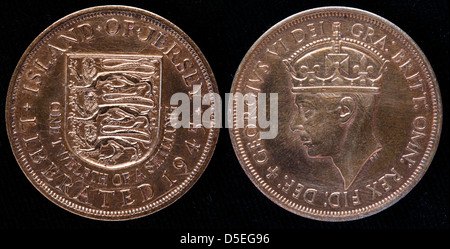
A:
[313,155]
[310,150]
[313,152]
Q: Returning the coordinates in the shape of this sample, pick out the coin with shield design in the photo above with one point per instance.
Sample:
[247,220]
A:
[88,113]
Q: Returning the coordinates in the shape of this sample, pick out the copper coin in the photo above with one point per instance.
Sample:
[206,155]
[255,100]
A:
[359,114]
[88,112]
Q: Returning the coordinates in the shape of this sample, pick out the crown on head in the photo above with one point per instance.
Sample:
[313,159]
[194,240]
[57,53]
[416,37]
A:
[336,64]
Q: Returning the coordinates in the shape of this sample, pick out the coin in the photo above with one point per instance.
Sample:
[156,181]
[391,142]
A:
[359,114]
[88,111]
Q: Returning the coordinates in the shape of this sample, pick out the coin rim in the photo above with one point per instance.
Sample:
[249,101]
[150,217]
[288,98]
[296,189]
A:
[173,194]
[413,179]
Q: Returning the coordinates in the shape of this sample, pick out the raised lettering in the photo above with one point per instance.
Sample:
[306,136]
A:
[146,191]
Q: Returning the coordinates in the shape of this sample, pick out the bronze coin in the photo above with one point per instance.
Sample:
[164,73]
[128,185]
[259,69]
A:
[88,112]
[359,114]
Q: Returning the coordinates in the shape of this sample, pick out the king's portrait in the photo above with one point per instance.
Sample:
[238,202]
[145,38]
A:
[336,85]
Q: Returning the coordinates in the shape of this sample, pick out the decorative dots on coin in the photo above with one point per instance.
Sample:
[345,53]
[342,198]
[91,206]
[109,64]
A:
[88,113]
[359,114]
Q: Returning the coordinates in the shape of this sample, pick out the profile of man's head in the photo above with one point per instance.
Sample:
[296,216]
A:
[338,126]
[325,120]
[336,83]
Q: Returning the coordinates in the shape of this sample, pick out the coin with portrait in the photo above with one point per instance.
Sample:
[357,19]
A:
[359,113]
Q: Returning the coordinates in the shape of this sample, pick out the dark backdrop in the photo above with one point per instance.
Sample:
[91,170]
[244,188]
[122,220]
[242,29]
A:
[224,199]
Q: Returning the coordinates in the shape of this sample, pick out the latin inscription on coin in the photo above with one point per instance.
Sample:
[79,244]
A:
[360,116]
[88,113]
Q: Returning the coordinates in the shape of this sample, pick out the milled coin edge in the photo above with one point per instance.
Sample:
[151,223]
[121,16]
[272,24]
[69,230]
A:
[431,145]
[61,201]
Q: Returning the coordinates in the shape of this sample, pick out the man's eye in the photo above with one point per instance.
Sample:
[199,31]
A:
[308,110]
[309,113]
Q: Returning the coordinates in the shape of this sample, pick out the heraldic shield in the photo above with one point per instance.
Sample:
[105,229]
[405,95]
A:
[113,110]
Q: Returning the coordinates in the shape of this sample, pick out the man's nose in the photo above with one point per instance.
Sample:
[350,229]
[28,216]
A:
[297,123]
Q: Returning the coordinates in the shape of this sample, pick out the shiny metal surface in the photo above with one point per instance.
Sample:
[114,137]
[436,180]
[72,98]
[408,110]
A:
[88,113]
[359,114]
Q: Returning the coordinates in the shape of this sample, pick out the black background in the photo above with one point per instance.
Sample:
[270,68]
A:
[224,200]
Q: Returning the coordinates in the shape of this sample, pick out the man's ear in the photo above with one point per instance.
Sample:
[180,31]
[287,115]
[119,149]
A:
[347,107]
